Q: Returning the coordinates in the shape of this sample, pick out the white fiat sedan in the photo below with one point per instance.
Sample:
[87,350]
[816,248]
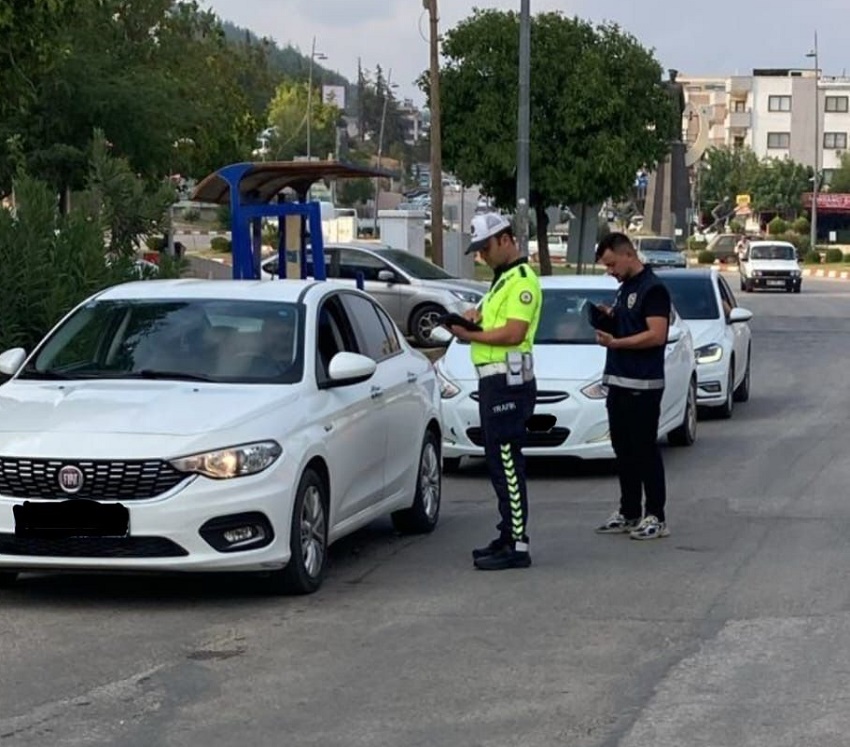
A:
[194,425]
[570,418]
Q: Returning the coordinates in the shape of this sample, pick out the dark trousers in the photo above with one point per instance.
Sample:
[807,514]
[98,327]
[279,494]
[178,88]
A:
[633,419]
[504,411]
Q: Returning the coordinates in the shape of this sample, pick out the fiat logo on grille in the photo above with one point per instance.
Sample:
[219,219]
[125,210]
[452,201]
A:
[71,479]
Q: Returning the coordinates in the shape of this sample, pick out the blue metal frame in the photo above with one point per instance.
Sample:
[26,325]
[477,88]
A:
[246,226]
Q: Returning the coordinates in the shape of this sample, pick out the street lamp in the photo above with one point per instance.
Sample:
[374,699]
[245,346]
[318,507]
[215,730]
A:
[314,55]
[389,86]
[816,178]
[523,127]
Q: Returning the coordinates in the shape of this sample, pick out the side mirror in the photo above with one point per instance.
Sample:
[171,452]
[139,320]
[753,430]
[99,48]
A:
[386,276]
[674,334]
[350,368]
[440,335]
[12,360]
[737,316]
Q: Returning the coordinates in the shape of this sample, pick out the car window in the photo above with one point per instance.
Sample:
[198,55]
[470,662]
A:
[564,318]
[224,341]
[772,251]
[657,245]
[352,262]
[693,297]
[413,265]
[726,296]
[334,334]
[372,335]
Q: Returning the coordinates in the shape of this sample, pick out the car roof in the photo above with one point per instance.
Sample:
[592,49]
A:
[696,272]
[251,290]
[769,242]
[592,282]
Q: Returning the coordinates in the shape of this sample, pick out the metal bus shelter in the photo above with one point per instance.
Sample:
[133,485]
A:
[257,190]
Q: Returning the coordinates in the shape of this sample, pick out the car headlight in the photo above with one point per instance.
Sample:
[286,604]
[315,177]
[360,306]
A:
[448,388]
[756,273]
[795,273]
[236,461]
[709,353]
[596,390]
[467,296]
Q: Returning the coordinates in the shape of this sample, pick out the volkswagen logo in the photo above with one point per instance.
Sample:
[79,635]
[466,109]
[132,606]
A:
[71,479]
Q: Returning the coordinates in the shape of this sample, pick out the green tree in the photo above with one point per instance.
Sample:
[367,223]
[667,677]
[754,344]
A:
[841,177]
[778,185]
[598,110]
[288,115]
[727,172]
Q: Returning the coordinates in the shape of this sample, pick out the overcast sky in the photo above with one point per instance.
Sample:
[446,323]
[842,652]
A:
[714,37]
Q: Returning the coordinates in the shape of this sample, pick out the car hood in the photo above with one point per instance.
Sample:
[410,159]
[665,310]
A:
[774,264]
[659,256]
[551,363]
[161,408]
[706,331]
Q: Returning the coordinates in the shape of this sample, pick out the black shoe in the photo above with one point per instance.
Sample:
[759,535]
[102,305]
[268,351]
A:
[504,559]
[491,549]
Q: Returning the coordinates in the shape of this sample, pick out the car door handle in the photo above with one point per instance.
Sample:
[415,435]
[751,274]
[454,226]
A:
[377,392]
[411,377]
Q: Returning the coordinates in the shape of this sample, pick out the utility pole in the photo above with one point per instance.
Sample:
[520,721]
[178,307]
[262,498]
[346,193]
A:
[816,179]
[387,90]
[436,139]
[523,127]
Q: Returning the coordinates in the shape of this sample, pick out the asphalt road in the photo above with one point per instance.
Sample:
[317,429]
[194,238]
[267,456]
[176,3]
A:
[734,631]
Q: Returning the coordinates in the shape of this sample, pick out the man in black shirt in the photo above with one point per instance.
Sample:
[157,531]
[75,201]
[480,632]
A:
[634,331]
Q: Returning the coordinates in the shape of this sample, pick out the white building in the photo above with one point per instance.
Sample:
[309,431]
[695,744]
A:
[773,112]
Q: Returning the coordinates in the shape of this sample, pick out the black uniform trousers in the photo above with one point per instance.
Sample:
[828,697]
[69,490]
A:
[504,411]
[633,416]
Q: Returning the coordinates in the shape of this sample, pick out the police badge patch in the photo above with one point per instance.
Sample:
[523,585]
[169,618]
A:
[630,301]
[526,297]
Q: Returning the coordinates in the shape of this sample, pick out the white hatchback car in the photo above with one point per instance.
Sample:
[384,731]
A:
[721,333]
[570,418]
[194,425]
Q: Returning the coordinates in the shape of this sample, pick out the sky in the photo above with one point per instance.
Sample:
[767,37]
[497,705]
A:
[716,37]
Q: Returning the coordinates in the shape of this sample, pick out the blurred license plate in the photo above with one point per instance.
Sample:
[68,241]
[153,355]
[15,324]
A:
[72,518]
[776,282]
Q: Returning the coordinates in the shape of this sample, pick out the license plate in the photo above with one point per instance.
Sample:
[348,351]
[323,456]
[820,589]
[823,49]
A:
[72,518]
[776,282]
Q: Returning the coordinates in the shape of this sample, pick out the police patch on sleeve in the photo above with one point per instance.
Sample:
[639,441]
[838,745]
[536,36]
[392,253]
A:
[526,297]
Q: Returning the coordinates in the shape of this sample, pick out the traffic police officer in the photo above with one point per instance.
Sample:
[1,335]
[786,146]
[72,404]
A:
[502,354]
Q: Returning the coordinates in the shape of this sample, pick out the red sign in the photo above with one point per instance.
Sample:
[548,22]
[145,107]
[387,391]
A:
[829,201]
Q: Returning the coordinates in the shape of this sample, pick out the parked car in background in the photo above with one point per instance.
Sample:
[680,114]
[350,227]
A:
[659,251]
[570,418]
[414,291]
[724,247]
[770,265]
[721,334]
[191,425]
[557,247]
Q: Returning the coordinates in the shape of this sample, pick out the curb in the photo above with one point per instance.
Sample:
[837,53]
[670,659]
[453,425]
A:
[225,234]
[830,274]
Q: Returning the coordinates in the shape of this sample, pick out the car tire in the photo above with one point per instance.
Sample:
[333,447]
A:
[451,465]
[798,288]
[424,512]
[8,579]
[686,433]
[742,393]
[422,321]
[724,412]
[748,286]
[308,539]
[743,285]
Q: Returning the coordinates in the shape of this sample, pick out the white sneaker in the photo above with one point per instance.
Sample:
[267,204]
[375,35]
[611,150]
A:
[617,524]
[649,529]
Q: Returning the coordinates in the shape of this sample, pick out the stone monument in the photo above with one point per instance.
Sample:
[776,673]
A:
[668,194]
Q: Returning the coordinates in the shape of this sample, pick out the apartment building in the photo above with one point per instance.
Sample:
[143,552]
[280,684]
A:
[773,112]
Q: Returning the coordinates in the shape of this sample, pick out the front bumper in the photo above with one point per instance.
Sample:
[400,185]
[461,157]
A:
[712,379]
[573,427]
[776,283]
[164,533]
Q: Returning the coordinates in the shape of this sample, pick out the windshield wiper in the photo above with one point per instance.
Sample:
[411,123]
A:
[45,375]
[149,373]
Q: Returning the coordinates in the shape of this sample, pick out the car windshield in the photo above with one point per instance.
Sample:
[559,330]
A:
[419,268]
[222,341]
[657,245]
[773,251]
[724,243]
[564,319]
[693,297]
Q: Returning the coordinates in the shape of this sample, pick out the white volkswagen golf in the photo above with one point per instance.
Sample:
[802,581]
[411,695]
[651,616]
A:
[570,418]
[214,426]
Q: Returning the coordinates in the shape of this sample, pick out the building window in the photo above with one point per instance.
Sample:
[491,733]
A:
[779,140]
[837,103]
[779,103]
[826,176]
[738,142]
[835,140]
[739,106]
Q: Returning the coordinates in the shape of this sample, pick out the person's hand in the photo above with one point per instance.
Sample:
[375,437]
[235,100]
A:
[607,310]
[472,315]
[605,339]
[460,332]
